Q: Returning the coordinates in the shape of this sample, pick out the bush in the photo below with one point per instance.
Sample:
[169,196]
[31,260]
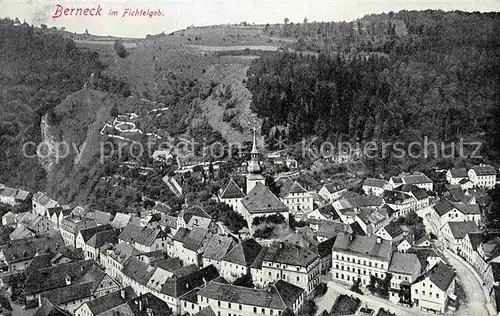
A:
[309,308]
[120,49]
[321,289]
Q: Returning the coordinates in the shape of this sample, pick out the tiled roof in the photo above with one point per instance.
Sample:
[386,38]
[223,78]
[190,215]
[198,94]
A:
[149,302]
[396,197]
[280,295]
[417,192]
[121,252]
[403,263]
[291,186]
[443,206]
[331,229]
[45,200]
[484,170]
[333,187]
[188,213]
[49,309]
[176,287]
[232,191]
[261,200]
[441,275]
[169,264]
[206,311]
[416,178]
[102,218]
[358,200]
[24,249]
[218,247]
[142,235]
[70,293]
[423,254]
[468,209]
[325,247]
[181,234]
[460,229]
[110,300]
[363,245]
[378,183]
[138,270]
[370,216]
[43,280]
[121,220]
[393,229]
[458,173]
[194,241]
[100,238]
[90,232]
[185,270]
[286,253]
[329,212]
[244,253]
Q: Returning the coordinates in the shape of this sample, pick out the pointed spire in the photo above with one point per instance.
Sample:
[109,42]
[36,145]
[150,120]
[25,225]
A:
[254,147]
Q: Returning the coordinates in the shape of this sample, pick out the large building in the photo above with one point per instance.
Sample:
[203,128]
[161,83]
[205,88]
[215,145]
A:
[357,257]
[433,290]
[483,176]
[298,200]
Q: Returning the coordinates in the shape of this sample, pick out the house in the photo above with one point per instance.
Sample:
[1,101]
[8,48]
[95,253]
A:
[42,203]
[405,244]
[71,225]
[427,257]
[466,184]
[13,196]
[373,186]
[175,288]
[444,211]
[56,215]
[405,269]
[325,254]
[470,244]
[47,309]
[452,234]
[433,290]
[417,178]
[483,176]
[115,257]
[194,217]
[332,191]
[261,202]
[357,257]
[34,222]
[291,263]
[329,230]
[145,239]
[103,218]
[93,246]
[420,195]
[18,254]
[393,232]
[401,202]
[236,263]
[370,220]
[425,241]
[321,214]
[225,299]
[216,250]
[21,232]
[189,245]
[121,220]
[232,195]
[455,175]
[298,200]
[84,236]
[70,284]
[106,302]
[8,218]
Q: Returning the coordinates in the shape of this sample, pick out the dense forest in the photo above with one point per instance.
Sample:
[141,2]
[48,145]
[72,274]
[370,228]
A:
[39,70]
[384,76]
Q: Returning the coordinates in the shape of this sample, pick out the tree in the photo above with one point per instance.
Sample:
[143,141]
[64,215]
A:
[305,20]
[245,280]
[309,308]
[286,20]
[120,49]
[114,111]
[86,31]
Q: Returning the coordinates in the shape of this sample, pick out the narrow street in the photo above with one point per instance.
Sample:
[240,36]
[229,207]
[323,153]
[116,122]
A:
[335,289]
[477,304]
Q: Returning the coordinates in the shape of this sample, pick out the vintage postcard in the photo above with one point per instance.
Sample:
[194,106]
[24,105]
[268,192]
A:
[249,157]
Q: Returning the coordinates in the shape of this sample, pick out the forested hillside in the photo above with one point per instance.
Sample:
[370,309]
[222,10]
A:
[38,70]
[429,73]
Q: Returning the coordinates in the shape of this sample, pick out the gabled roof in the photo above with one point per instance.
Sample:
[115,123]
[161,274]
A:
[150,302]
[325,247]
[393,229]
[443,206]
[25,249]
[71,293]
[370,216]
[142,235]
[403,263]
[90,232]
[358,200]
[396,197]
[138,270]
[206,311]
[176,287]
[49,309]
[329,212]
[423,254]
[100,238]
[45,200]
[458,173]
[195,238]
[181,234]
[368,246]
[291,186]
[286,253]
[168,264]
[441,275]
[333,187]
[460,229]
[417,192]
[484,170]
[495,270]
[378,183]
[188,213]
[218,247]
[102,218]
[468,209]
[261,200]
[244,253]
[121,220]
[416,178]
[111,300]
[455,192]
[279,296]
[232,191]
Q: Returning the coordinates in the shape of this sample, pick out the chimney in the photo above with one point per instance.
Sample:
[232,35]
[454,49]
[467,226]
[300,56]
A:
[122,293]
[140,305]
[379,240]
[205,281]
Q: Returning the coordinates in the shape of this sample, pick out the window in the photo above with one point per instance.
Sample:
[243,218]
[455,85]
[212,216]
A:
[430,294]
[416,291]
[263,311]
[239,307]
[218,303]
[298,279]
[228,305]
[255,310]
[437,295]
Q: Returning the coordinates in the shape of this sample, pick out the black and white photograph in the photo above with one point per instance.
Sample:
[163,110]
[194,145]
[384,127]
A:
[249,157]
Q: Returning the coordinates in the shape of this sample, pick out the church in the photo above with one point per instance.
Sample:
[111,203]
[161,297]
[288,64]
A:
[258,200]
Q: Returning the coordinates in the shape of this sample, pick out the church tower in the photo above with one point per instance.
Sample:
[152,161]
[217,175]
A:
[254,175]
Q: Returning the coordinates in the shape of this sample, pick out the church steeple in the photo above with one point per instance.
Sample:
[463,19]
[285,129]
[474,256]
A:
[253,164]
[254,175]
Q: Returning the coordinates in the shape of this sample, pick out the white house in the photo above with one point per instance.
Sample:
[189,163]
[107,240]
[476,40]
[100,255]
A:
[455,175]
[373,186]
[433,290]
[483,176]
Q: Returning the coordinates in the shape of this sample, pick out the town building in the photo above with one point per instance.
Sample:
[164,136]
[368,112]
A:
[71,226]
[433,290]
[237,262]
[452,234]
[216,250]
[483,176]
[42,203]
[405,269]
[332,191]
[298,200]
[232,195]
[372,186]
[455,175]
[357,257]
